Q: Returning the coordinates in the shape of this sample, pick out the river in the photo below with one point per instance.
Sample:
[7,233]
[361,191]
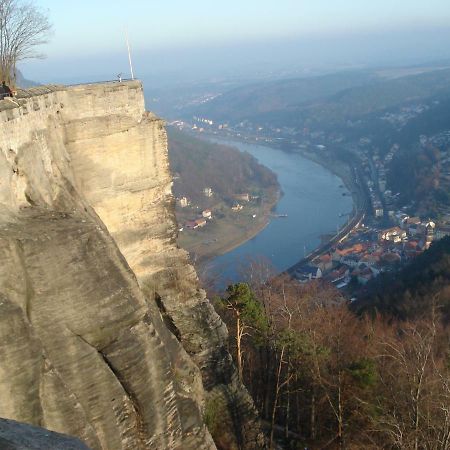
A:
[313,201]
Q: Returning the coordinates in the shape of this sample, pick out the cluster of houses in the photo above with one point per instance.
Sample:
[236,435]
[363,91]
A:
[374,175]
[442,142]
[199,222]
[184,202]
[384,201]
[239,199]
[369,252]
[361,258]
[206,214]
[400,118]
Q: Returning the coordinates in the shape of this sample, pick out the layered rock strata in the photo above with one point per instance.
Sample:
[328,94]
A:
[104,332]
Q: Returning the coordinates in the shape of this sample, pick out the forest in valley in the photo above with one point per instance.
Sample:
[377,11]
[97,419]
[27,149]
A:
[198,163]
[326,375]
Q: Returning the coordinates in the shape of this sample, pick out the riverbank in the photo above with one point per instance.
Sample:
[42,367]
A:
[314,203]
[349,178]
[231,230]
[344,172]
[337,167]
[224,196]
[315,209]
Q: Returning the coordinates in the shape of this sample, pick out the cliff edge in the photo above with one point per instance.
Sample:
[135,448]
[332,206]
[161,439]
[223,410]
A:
[104,331]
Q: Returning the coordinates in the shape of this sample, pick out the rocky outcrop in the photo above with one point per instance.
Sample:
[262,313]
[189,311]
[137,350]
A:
[19,436]
[104,332]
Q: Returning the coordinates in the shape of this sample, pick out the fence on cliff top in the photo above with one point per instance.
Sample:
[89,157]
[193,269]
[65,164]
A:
[49,88]
[35,91]
[20,95]
[104,82]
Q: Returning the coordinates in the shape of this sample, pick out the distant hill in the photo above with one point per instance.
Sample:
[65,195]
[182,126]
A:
[22,82]
[322,102]
[357,102]
[432,121]
[409,294]
[267,97]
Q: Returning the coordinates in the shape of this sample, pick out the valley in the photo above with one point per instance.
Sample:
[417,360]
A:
[389,141]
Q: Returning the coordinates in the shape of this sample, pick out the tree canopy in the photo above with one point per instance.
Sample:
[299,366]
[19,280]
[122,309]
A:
[324,377]
[23,28]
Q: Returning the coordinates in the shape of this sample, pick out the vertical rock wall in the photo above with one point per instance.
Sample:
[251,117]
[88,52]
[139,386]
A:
[106,338]
[125,176]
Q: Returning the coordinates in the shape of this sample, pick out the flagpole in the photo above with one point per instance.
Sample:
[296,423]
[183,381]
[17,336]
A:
[129,54]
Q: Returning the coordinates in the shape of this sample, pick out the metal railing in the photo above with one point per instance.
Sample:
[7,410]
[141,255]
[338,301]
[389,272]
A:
[104,82]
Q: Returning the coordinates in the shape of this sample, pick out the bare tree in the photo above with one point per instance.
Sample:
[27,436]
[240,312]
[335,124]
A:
[23,28]
[415,380]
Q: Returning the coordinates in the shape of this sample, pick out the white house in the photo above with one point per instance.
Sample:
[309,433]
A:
[207,214]
[207,192]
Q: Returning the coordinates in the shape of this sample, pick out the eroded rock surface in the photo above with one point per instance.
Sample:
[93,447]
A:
[104,332]
[19,436]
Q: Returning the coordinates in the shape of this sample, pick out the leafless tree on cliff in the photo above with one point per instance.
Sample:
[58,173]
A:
[23,28]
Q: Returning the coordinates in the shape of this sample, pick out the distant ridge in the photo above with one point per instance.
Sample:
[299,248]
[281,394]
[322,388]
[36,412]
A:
[23,82]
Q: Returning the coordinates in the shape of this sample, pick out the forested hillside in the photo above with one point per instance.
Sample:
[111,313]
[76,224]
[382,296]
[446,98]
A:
[322,102]
[266,97]
[413,292]
[324,377]
[198,163]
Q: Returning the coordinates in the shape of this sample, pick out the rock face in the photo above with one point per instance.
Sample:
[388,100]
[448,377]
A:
[104,332]
[19,436]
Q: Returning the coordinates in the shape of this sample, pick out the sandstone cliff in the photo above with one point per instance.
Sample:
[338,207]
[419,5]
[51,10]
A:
[19,436]
[104,332]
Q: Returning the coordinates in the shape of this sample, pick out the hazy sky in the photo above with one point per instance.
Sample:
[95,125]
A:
[93,30]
